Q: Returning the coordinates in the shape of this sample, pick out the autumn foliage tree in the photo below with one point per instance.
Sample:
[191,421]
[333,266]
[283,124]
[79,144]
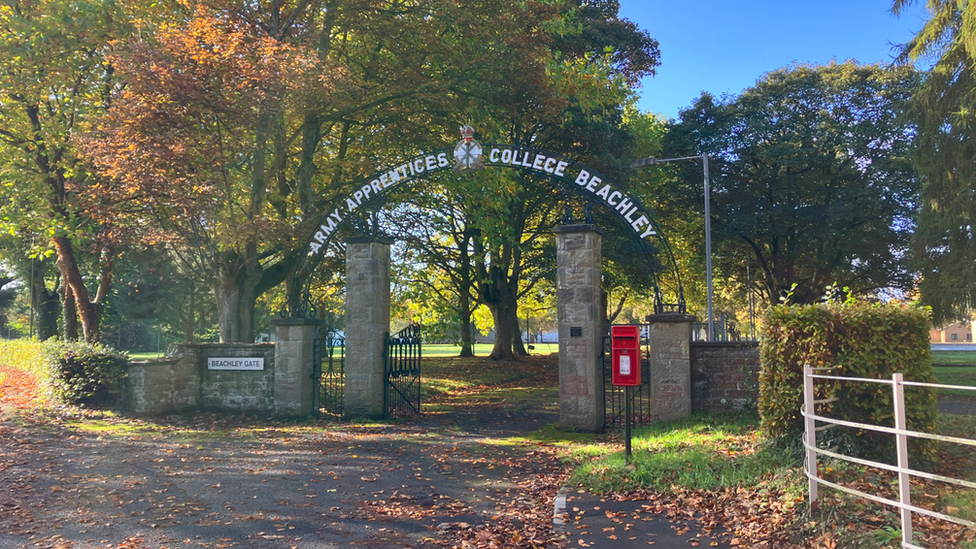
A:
[238,124]
[53,81]
[185,150]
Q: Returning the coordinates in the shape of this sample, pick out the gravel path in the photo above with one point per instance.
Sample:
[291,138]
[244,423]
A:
[179,484]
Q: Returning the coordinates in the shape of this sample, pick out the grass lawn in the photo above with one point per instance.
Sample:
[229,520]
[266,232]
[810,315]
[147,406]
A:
[956,375]
[451,382]
[482,349]
[954,358]
[955,368]
[431,350]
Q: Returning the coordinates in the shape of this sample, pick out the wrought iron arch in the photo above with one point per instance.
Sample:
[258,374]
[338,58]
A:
[580,179]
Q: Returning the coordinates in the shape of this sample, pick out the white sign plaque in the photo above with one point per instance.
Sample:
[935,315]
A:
[235,363]
[625,365]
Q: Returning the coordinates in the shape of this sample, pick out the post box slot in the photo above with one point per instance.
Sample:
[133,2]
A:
[624,342]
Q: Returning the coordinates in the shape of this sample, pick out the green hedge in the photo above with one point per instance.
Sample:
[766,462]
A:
[85,374]
[859,340]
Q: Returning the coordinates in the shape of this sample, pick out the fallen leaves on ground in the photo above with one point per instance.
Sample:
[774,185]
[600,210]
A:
[19,388]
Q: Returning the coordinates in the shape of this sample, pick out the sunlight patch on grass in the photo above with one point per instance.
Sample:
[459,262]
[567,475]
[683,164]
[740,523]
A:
[112,428]
[552,435]
[698,453]
[146,355]
[445,350]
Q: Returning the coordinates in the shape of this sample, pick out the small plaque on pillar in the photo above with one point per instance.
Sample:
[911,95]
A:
[235,363]
[575,331]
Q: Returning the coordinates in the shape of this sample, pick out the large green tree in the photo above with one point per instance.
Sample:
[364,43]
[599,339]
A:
[53,80]
[570,101]
[811,179]
[436,266]
[944,107]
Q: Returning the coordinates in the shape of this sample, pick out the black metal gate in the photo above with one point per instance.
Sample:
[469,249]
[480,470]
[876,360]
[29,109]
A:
[328,371]
[640,396]
[401,394]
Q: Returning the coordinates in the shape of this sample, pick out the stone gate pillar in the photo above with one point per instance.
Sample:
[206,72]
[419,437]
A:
[367,322]
[670,365]
[578,276]
[293,355]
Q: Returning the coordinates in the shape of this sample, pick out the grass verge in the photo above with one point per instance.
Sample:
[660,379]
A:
[699,453]
[720,468]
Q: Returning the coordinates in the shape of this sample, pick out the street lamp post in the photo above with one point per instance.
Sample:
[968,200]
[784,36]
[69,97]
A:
[651,161]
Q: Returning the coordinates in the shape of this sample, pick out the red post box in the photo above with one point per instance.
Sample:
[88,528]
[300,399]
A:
[625,355]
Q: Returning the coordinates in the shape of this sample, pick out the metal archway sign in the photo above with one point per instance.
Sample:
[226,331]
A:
[470,156]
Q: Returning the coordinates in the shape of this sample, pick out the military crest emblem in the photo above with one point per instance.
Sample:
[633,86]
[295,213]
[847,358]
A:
[468,152]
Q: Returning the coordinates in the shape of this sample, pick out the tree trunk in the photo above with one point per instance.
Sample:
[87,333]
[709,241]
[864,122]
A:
[464,309]
[518,348]
[88,311]
[227,292]
[501,300]
[46,303]
[465,283]
[236,289]
[467,341]
[504,331]
[189,324]
[70,315]
[499,292]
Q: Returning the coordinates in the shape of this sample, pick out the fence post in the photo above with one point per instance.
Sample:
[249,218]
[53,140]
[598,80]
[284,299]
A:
[811,434]
[901,442]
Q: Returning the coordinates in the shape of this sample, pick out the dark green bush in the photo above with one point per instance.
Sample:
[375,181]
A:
[85,374]
[861,340]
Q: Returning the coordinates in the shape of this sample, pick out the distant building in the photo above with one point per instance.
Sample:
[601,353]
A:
[960,332]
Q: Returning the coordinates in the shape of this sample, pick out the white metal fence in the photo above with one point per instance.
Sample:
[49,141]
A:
[901,433]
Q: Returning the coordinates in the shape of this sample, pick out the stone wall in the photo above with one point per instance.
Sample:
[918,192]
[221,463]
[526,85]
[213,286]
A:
[671,377]
[294,353]
[237,390]
[170,384]
[724,376]
[182,383]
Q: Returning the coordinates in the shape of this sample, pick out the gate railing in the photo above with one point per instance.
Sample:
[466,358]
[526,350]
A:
[328,371]
[402,355]
[901,432]
[640,396]
[726,329]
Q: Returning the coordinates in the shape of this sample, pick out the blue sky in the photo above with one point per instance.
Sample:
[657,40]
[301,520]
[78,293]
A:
[725,46]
